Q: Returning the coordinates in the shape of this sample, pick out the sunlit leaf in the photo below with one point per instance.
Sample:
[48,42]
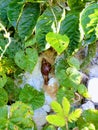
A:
[57,41]
[66,106]
[56,120]
[44,24]
[74,115]
[57,108]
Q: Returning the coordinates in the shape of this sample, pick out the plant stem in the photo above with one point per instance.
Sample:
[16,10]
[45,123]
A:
[66,125]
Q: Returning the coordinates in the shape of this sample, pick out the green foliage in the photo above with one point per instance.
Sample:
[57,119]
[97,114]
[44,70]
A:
[28,20]
[66,106]
[32,97]
[14,10]
[89,21]
[26,59]
[83,91]
[49,127]
[63,115]
[91,53]
[22,17]
[76,5]
[3,97]
[74,115]
[56,120]
[89,127]
[70,27]
[3,11]
[19,116]
[89,119]
[63,91]
[44,24]
[27,27]
[12,90]
[69,78]
[57,41]
[3,80]
[73,62]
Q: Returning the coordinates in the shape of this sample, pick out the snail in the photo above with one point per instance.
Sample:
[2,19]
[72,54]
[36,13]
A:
[45,70]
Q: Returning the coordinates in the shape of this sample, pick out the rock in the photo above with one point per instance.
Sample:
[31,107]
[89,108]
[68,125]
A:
[46,108]
[35,79]
[39,118]
[88,105]
[93,71]
[51,90]
[93,89]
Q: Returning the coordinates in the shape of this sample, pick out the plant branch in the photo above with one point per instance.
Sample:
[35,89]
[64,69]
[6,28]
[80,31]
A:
[6,35]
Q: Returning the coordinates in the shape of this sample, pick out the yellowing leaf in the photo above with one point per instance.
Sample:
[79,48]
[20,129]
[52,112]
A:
[74,115]
[57,108]
[56,120]
[66,106]
[57,41]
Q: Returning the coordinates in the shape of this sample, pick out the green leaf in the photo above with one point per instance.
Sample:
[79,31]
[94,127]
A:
[88,117]
[76,5]
[74,75]
[66,106]
[74,115]
[3,11]
[14,11]
[37,1]
[57,108]
[30,42]
[3,112]
[91,116]
[32,97]
[12,90]
[3,80]
[74,62]
[56,120]
[60,70]
[44,24]
[57,41]
[70,27]
[3,97]
[89,126]
[21,115]
[89,21]
[27,59]
[64,91]
[3,117]
[49,127]
[83,91]
[28,20]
